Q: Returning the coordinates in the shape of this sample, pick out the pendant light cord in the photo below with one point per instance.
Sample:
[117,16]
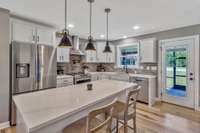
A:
[66,15]
[107,26]
[90,19]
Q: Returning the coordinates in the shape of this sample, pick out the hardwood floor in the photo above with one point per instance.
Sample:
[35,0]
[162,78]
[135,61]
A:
[161,118]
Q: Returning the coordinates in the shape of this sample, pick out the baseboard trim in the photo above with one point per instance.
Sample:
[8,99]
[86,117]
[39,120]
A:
[4,125]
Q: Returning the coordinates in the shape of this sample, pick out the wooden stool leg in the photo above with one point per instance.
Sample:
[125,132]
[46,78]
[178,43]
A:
[117,126]
[125,127]
[134,125]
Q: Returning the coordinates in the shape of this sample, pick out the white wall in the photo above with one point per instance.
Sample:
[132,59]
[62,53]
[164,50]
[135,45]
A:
[4,66]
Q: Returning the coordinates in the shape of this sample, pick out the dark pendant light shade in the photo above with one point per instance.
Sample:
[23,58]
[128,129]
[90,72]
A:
[107,47]
[90,45]
[65,41]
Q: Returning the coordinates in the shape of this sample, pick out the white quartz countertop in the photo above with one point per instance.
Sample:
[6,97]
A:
[122,73]
[110,73]
[64,76]
[142,75]
[42,108]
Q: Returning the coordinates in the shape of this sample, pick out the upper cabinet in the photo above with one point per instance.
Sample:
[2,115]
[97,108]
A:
[91,56]
[99,56]
[63,54]
[105,57]
[31,33]
[44,35]
[111,56]
[148,51]
[23,32]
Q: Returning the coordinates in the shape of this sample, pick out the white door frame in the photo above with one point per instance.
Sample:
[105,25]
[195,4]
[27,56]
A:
[196,69]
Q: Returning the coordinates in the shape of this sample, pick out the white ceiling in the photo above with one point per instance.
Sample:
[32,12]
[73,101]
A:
[150,15]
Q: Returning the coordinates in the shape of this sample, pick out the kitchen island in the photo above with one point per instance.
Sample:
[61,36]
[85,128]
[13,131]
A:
[50,111]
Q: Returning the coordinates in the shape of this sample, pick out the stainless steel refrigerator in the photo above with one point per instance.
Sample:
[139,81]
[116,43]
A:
[33,68]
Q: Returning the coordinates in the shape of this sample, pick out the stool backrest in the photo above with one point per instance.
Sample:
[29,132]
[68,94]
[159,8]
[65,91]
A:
[108,110]
[131,102]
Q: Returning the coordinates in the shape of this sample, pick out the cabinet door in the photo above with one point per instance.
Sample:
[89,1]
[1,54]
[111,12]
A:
[105,57]
[44,36]
[65,54]
[112,55]
[23,32]
[91,56]
[101,56]
[148,51]
[59,54]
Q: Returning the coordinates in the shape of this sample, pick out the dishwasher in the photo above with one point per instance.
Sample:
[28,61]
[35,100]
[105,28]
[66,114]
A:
[144,92]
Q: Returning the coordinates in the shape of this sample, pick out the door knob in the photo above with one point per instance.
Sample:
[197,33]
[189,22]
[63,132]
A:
[191,78]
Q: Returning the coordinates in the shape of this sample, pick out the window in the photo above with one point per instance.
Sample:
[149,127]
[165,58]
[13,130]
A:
[128,55]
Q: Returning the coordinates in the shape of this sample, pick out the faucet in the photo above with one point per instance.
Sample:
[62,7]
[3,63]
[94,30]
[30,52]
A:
[125,68]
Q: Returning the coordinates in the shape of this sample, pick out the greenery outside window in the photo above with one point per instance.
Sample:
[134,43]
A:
[128,55]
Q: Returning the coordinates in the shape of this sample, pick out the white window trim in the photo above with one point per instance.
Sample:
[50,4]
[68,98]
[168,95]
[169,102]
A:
[126,45]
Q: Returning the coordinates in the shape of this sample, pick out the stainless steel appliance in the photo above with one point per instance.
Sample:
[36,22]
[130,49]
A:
[144,92]
[33,68]
[80,77]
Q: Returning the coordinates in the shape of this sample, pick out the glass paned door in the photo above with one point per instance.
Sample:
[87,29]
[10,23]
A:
[178,72]
[176,67]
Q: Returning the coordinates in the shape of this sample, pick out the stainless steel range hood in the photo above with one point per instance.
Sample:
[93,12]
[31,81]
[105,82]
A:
[75,46]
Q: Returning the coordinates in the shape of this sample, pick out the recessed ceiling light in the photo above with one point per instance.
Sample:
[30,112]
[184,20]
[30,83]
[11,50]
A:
[136,27]
[70,25]
[124,37]
[102,36]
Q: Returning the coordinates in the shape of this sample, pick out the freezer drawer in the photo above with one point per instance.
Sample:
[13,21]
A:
[144,92]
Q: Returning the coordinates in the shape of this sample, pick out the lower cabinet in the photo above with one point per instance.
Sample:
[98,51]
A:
[119,77]
[64,80]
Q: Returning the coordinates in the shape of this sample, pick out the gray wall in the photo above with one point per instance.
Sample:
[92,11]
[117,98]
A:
[4,65]
[179,32]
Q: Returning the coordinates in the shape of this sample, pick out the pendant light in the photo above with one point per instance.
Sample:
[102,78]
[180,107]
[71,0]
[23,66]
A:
[90,45]
[107,47]
[65,41]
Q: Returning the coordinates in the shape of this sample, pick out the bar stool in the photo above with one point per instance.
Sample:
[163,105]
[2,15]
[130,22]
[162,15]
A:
[127,111]
[92,124]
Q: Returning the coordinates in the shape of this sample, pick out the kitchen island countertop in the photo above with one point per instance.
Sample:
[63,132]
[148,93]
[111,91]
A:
[42,108]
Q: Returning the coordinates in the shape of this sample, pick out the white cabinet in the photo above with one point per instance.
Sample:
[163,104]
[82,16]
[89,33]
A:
[44,36]
[105,57]
[64,80]
[99,56]
[91,56]
[63,54]
[111,56]
[23,32]
[32,33]
[148,51]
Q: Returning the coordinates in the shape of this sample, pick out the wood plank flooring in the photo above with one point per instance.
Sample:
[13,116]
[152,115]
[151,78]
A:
[161,118]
